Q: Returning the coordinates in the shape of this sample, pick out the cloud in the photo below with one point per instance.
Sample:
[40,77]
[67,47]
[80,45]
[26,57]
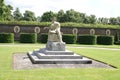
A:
[100,8]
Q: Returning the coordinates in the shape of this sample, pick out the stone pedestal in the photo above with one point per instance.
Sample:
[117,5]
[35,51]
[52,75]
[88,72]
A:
[55,46]
[55,53]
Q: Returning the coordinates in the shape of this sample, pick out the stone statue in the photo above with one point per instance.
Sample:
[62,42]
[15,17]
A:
[55,42]
[55,51]
[54,33]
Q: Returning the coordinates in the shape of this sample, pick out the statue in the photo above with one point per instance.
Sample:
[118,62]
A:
[55,51]
[54,33]
[55,42]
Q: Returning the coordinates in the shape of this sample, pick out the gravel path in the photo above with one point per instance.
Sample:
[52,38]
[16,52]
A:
[21,61]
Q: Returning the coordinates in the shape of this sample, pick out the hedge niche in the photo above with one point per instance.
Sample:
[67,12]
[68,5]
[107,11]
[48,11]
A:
[69,38]
[6,37]
[28,38]
[44,38]
[87,39]
[105,40]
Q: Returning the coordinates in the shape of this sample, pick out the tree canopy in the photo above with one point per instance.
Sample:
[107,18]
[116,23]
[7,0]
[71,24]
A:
[68,16]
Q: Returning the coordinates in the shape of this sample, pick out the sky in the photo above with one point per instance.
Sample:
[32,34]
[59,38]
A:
[99,8]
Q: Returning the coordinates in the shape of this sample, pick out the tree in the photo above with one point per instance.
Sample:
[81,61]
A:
[47,16]
[72,16]
[8,11]
[29,16]
[60,16]
[38,19]
[2,7]
[82,16]
[92,19]
[17,15]
[103,20]
[114,21]
[5,11]
[86,20]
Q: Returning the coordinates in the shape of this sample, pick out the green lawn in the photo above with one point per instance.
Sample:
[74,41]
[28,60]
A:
[109,56]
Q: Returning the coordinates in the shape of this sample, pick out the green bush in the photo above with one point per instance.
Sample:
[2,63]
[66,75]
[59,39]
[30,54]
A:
[6,37]
[69,38]
[28,38]
[105,40]
[87,39]
[44,38]
[117,43]
[66,24]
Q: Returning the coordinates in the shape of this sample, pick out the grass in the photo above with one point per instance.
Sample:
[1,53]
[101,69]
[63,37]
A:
[109,56]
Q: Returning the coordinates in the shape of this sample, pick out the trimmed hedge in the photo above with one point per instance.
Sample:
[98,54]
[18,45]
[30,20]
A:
[28,38]
[66,24]
[87,39]
[69,38]
[6,37]
[117,43]
[105,40]
[44,37]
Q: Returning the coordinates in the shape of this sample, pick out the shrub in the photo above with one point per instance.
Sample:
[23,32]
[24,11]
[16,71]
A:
[44,38]
[68,24]
[6,37]
[117,43]
[87,39]
[105,40]
[116,37]
[69,38]
[28,38]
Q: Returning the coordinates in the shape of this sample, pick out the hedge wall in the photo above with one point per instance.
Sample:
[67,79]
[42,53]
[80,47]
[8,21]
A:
[68,24]
[69,38]
[87,39]
[28,38]
[6,37]
[105,40]
[44,38]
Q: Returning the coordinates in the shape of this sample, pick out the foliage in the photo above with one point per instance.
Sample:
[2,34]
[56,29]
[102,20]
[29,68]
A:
[69,38]
[66,24]
[6,37]
[116,37]
[117,43]
[28,38]
[5,12]
[47,16]
[105,40]
[29,16]
[17,15]
[44,38]
[87,39]
[68,16]
[60,16]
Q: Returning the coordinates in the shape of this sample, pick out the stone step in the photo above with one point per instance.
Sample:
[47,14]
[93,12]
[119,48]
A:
[36,60]
[47,52]
[58,52]
[43,56]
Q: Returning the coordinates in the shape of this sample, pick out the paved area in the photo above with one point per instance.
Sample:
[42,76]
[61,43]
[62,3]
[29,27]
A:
[21,61]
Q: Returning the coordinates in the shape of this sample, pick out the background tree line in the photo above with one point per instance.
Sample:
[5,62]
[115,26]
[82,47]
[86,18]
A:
[68,16]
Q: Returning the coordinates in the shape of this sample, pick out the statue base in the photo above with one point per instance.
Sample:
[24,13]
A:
[55,46]
[55,53]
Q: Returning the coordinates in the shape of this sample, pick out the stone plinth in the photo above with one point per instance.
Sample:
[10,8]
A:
[55,46]
[55,53]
